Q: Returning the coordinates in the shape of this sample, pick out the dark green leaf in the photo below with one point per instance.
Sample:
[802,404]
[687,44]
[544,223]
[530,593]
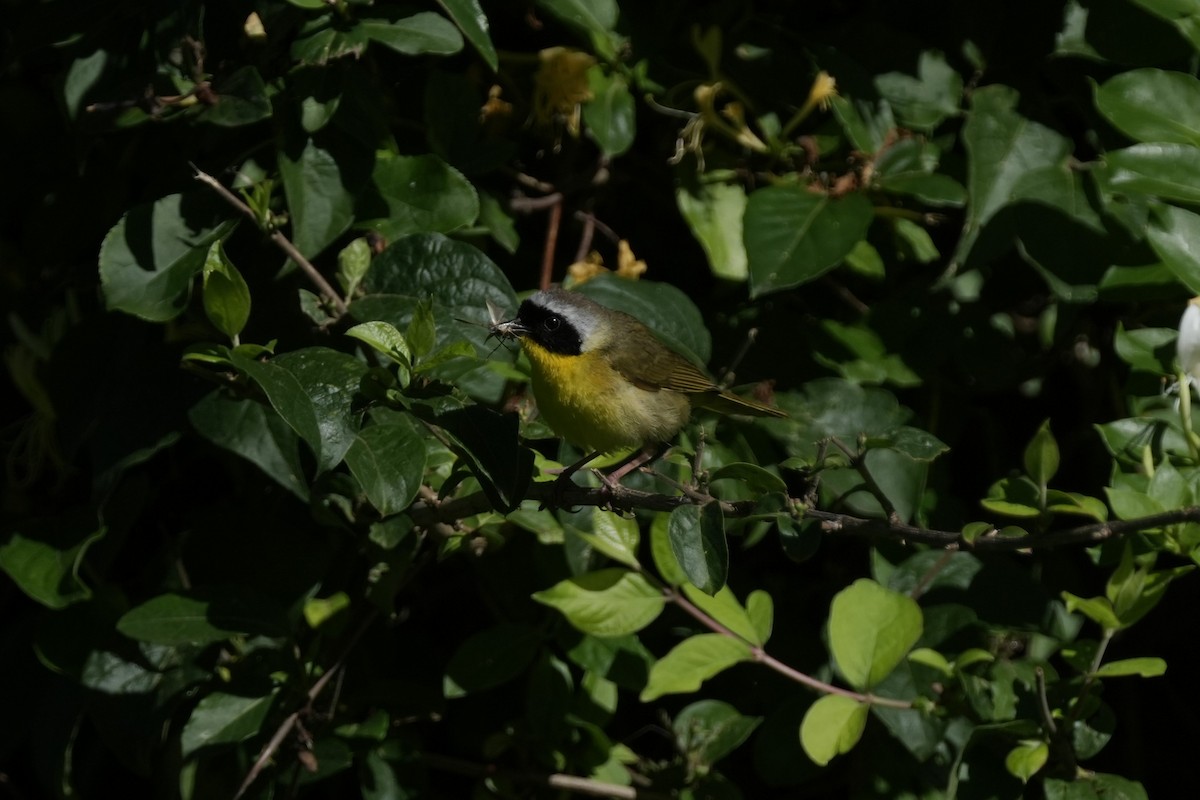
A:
[241,99]
[708,730]
[43,557]
[149,258]
[419,194]
[388,459]
[221,718]
[469,17]
[202,618]
[1170,171]
[226,295]
[925,101]
[414,34]
[489,658]
[609,115]
[320,180]
[793,235]
[1174,233]
[488,442]
[698,541]
[252,431]
[1153,105]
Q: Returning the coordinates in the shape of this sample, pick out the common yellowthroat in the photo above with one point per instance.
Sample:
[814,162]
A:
[603,381]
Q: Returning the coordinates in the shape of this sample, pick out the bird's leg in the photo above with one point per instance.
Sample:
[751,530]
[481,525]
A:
[642,457]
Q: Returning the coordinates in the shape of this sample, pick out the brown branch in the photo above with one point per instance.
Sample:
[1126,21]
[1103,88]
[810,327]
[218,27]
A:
[293,719]
[278,238]
[622,498]
[569,783]
[551,244]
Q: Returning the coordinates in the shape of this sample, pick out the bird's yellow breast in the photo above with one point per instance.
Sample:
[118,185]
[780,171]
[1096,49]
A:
[592,405]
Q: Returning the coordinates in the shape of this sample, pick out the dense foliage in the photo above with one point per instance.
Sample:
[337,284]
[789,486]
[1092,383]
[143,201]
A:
[279,519]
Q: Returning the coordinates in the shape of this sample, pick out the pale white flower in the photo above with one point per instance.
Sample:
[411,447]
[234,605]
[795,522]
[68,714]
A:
[1187,346]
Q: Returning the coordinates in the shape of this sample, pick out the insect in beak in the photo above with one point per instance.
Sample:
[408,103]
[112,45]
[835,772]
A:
[499,327]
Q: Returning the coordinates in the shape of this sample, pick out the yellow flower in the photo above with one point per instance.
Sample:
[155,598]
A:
[561,86]
[706,97]
[824,87]
[584,271]
[628,266]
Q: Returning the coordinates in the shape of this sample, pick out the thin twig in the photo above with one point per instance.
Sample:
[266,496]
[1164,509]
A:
[1039,675]
[526,205]
[278,238]
[293,719]
[859,462]
[585,238]
[729,374]
[569,783]
[551,244]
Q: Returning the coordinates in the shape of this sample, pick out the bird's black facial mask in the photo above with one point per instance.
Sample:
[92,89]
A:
[549,329]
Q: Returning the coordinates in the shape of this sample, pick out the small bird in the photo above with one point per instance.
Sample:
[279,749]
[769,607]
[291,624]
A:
[605,382]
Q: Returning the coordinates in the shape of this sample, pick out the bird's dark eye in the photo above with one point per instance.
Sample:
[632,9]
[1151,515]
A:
[552,323]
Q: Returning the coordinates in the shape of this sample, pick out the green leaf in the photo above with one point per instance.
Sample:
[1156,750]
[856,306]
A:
[615,536]
[1128,504]
[388,459]
[44,556]
[221,718]
[1148,349]
[608,602]
[713,206]
[595,19]
[469,17]
[693,661]
[255,433]
[353,262]
[418,194]
[1041,455]
[385,339]
[761,610]
[725,609]
[871,630]
[489,658]
[1014,497]
[1174,233]
[322,611]
[610,114]
[1153,105]
[1027,758]
[242,99]
[832,726]
[197,618]
[660,550]
[926,101]
[424,32]
[793,235]
[488,443]
[1095,785]
[321,178]
[931,658]
[226,295]
[313,390]
[1169,171]
[708,730]
[149,258]
[1146,667]
[698,541]
[1097,609]
[1005,150]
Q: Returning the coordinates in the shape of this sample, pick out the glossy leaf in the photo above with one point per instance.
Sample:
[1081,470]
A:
[832,726]
[1143,667]
[469,17]
[708,730]
[1041,455]
[615,536]
[388,459]
[221,718]
[871,630]
[1153,105]
[424,32]
[1169,171]
[697,536]
[1174,233]
[1027,758]
[320,180]
[794,235]
[725,609]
